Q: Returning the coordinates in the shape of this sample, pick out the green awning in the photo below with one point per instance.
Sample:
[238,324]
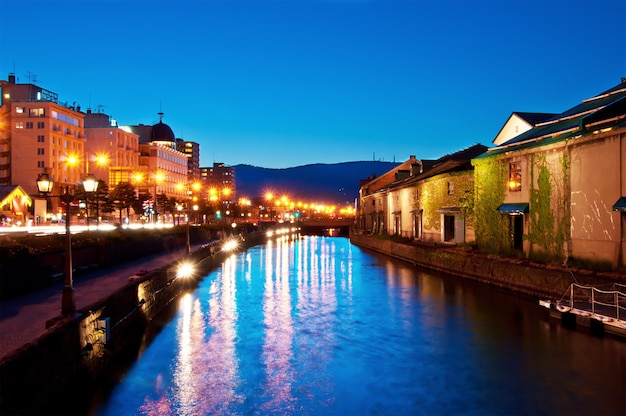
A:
[620,205]
[513,209]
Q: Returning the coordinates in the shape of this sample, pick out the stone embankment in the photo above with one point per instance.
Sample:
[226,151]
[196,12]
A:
[519,276]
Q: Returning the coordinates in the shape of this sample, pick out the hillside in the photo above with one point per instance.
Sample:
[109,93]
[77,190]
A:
[330,183]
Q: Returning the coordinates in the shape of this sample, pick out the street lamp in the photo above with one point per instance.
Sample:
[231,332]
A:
[44,185]
[90,185]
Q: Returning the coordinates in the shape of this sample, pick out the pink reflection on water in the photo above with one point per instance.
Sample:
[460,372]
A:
[160,406]
[206,368]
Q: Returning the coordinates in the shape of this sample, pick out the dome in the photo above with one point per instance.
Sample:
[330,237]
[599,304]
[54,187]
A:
[161,132]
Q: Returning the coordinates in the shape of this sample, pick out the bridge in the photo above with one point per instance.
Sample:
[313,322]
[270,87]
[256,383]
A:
[326,226]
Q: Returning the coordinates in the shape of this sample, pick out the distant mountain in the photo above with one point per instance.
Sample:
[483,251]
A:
[330,183]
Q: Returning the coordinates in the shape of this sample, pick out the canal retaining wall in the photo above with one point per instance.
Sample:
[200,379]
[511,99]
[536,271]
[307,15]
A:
[520,276]
[58,372]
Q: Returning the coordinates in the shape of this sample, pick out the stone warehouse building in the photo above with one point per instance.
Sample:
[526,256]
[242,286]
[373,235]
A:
[553,188]
[428,201]
[558,190]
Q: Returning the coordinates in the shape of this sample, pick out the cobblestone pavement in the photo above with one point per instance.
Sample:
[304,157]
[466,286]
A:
[23,319]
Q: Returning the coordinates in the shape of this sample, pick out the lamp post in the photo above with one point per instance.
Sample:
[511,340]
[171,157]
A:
[188,246]
[44,185]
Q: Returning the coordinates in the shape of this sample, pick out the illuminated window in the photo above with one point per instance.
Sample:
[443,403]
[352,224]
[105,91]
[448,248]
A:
[36,112]
[19,125]
[515,176]
[19,110]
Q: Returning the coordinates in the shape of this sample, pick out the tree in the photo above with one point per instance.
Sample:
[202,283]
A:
[162,204]
[101,194]
[123,197]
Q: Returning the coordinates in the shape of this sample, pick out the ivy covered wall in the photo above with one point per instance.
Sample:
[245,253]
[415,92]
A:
[435,194]
[490,178]
[548,213]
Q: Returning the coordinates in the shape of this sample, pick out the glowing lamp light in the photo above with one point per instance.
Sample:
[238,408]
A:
[514,185]
[90,183]
[44,183]
[72,160]
[184,270]
[230,245]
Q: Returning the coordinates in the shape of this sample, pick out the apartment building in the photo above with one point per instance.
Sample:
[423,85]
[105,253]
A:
[220,181]
[111,152]
[192,151]
[39,133]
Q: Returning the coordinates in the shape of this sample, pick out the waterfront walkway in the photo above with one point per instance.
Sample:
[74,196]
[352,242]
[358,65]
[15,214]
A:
[23,319]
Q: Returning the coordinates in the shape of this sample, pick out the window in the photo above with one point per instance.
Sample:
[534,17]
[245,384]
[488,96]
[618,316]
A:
[29,124]
[19,125]
[40,151]
[40,164]
[515,176]
[40,139]
[20,110]
[36,112]
[450,188]
[41,124]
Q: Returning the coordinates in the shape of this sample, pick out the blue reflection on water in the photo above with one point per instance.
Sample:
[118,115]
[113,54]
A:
[316,327]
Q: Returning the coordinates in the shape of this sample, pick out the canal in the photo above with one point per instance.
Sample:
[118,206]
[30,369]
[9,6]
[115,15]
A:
[317,326]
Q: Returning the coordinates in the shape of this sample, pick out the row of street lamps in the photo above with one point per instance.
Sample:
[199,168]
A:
[45,186]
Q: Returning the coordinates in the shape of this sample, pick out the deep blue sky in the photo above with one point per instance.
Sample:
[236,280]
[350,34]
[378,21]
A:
[282,83]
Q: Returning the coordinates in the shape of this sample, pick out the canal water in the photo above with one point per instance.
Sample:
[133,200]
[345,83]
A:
[317,326]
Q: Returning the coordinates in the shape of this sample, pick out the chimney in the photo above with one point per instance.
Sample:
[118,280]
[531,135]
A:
[12,78]
[417,167]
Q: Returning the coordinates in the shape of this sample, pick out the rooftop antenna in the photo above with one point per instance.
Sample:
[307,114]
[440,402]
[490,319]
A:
[160,111]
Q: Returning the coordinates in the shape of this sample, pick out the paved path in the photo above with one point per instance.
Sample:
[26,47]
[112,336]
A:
[23,319]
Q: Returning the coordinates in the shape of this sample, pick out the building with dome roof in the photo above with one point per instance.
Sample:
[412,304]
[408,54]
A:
[162,167]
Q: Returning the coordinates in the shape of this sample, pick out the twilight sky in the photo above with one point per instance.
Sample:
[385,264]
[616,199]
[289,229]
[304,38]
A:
[282,83]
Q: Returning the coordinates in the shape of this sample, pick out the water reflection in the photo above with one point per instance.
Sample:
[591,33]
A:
[277,351]
[316,326]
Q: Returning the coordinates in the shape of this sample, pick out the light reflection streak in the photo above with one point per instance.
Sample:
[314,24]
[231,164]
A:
[317,309]
[277,347]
